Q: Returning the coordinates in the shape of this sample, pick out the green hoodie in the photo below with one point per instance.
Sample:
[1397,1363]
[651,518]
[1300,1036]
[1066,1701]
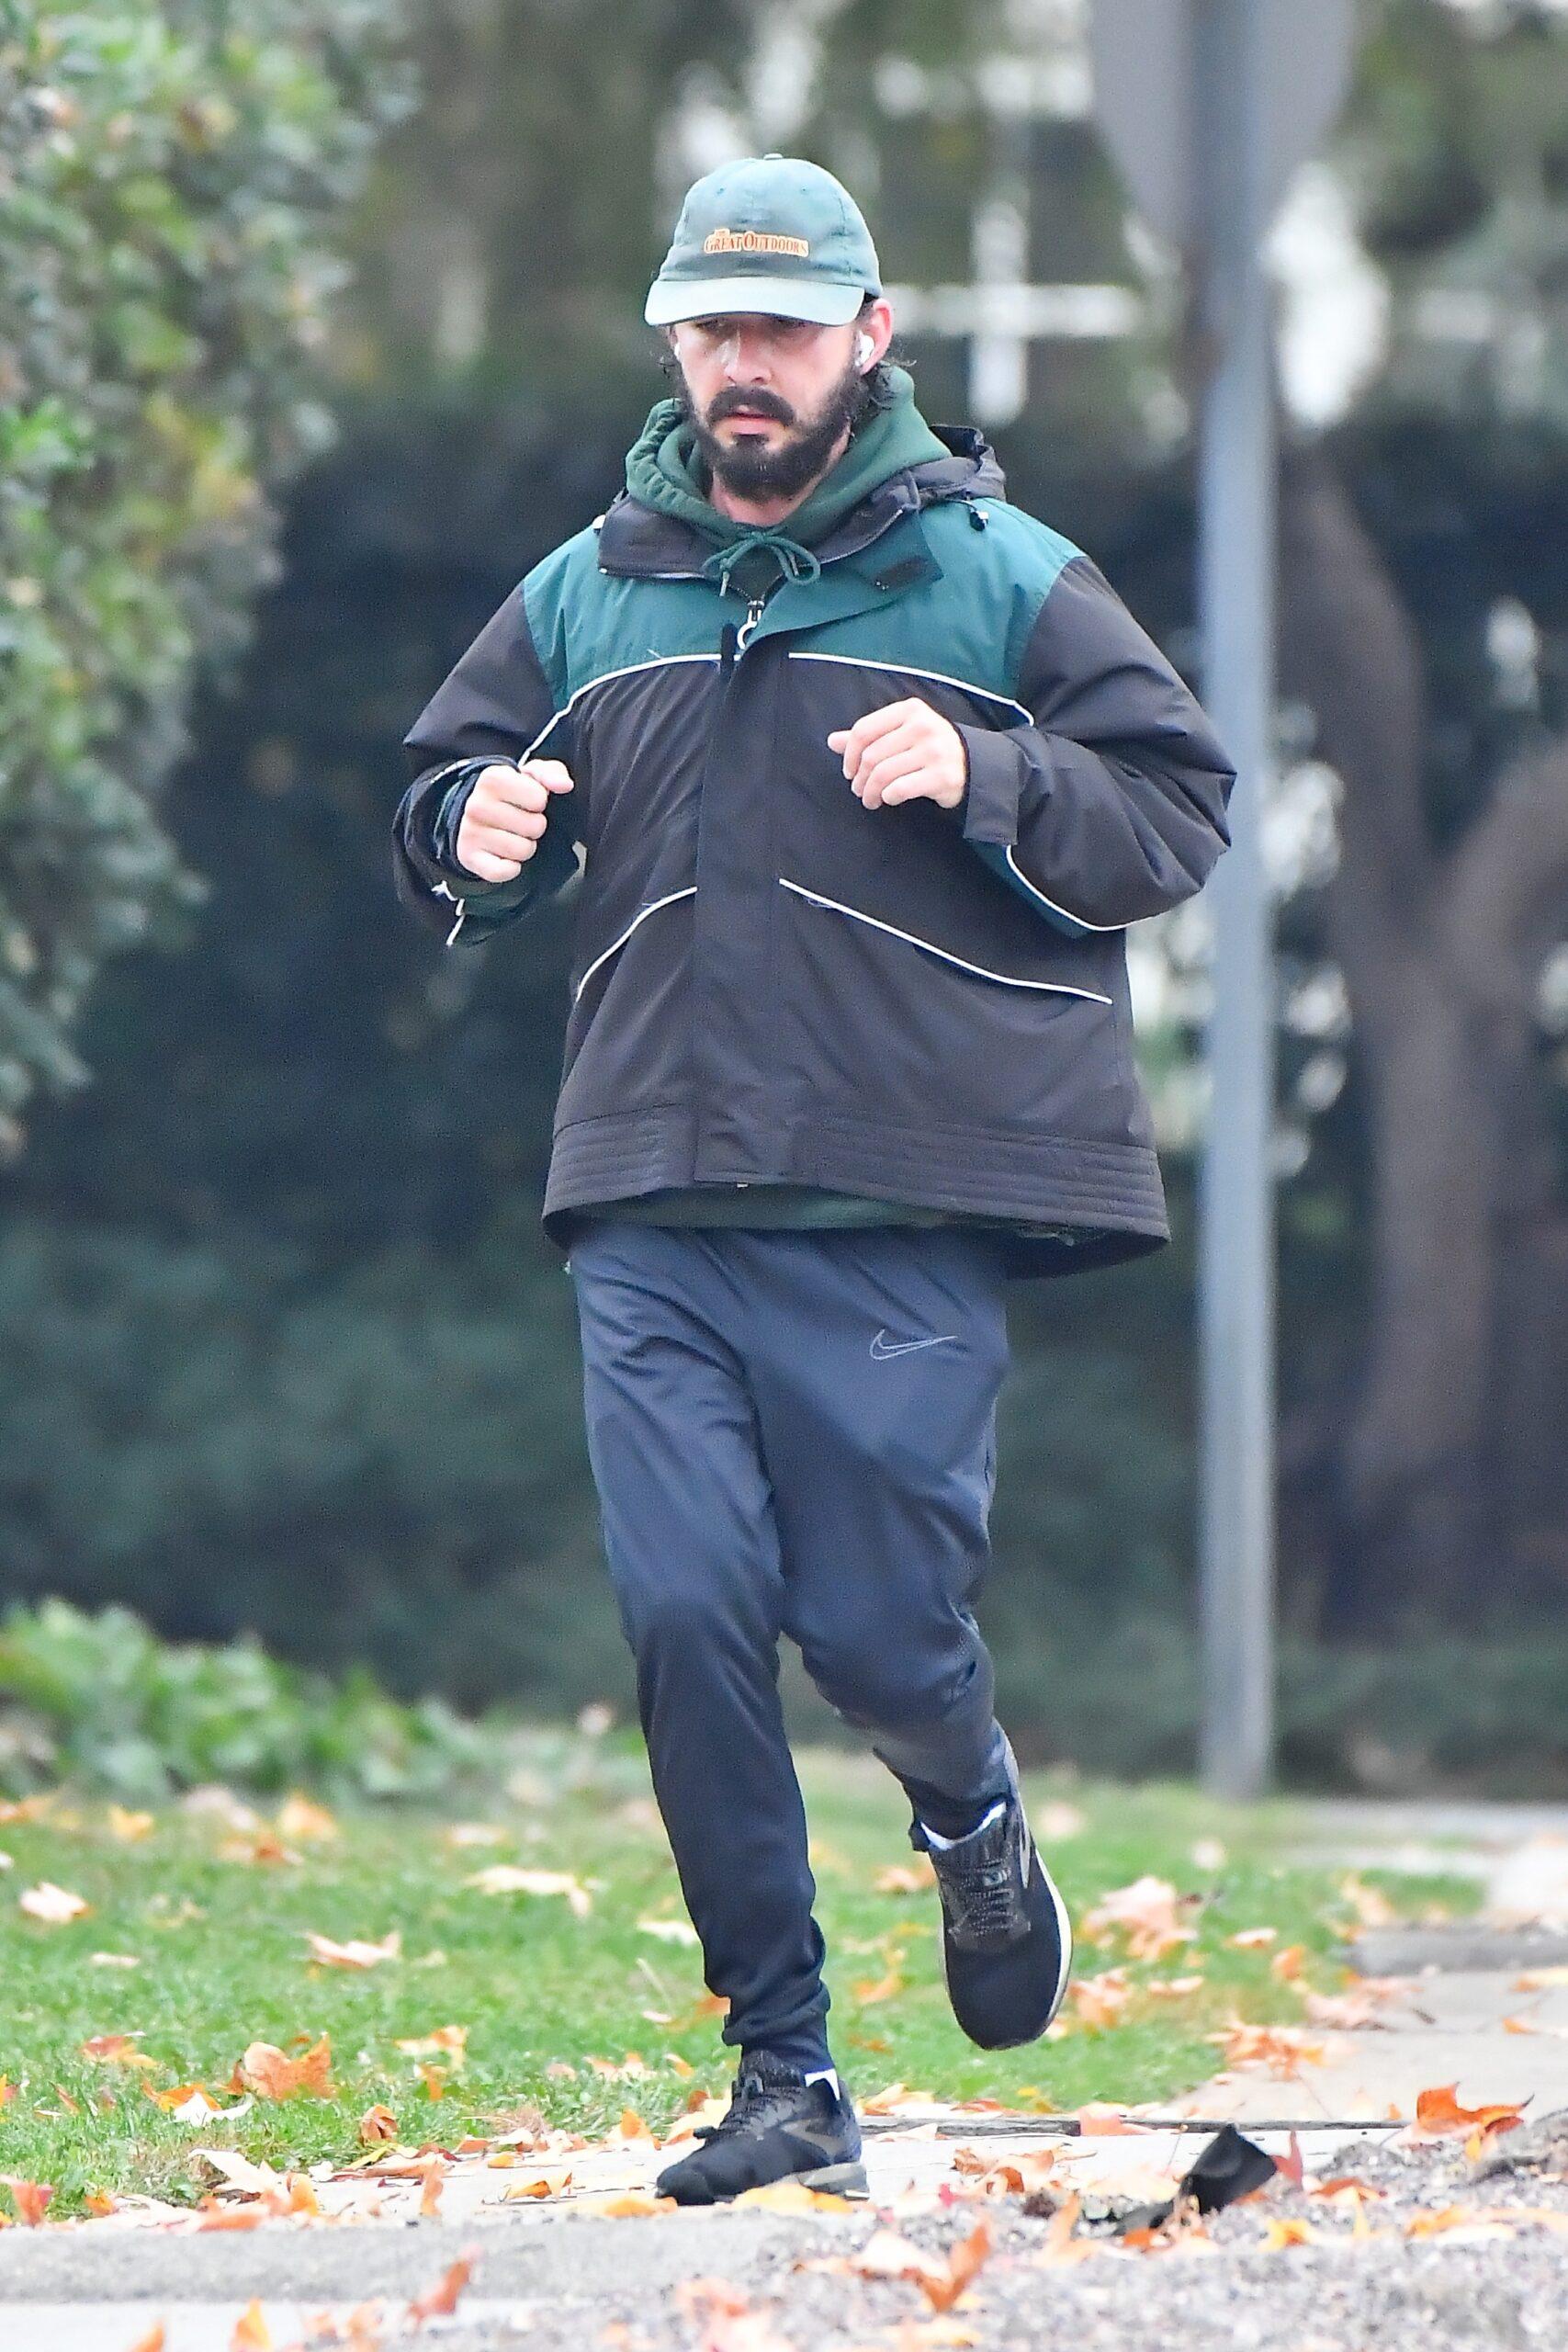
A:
[666,470]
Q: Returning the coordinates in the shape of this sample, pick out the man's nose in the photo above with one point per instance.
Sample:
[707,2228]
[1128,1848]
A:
[744,356]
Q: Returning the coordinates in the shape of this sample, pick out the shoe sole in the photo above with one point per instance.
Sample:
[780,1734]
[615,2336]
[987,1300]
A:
[838,2180]
[1064,1937]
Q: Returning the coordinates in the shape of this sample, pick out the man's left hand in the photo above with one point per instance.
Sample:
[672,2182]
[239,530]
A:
[906,750]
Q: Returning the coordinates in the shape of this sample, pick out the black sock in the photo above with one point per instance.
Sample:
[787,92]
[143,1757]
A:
[950,1821]
[805,2051]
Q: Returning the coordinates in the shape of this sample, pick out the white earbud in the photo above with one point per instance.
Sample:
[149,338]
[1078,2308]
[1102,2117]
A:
[863,349]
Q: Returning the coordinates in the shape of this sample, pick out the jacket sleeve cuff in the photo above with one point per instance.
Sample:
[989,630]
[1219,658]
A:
[449,818]
[990,807]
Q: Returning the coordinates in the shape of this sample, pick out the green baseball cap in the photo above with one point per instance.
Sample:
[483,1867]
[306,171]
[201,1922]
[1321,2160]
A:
[768,233]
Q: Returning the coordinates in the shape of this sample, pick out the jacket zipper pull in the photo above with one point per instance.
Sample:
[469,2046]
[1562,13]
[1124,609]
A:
[748,627]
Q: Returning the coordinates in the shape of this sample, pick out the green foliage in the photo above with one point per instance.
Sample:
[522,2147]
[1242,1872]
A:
[100,1699]
[386,1465]
[170,172]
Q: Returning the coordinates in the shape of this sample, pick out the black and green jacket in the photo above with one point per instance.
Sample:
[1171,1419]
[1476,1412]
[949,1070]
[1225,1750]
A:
[772,985]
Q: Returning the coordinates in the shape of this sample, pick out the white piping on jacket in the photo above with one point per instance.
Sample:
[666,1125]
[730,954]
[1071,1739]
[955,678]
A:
[1066,913]
[1052,988]
[641,916]
[443,889]
[907,669]
[661,662]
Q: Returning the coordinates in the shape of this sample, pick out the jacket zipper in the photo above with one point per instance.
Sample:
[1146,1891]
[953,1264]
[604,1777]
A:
[732,643]
[747,629]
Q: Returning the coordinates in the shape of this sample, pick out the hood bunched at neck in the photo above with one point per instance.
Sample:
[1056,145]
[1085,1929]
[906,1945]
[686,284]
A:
[665,471]
[794,561]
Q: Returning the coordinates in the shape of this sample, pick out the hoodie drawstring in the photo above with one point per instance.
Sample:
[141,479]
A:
[794,561]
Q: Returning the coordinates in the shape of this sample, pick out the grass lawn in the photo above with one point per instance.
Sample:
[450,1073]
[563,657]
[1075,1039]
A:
[223,1962]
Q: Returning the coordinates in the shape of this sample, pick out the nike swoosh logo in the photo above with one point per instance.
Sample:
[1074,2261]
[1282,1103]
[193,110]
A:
[906,1346]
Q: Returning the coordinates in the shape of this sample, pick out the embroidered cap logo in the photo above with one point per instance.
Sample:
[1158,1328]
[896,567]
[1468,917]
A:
[754,240]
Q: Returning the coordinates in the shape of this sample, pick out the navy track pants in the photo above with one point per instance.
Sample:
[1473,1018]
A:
[794,1432]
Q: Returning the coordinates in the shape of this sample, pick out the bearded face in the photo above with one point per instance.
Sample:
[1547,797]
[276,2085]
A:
[779,465]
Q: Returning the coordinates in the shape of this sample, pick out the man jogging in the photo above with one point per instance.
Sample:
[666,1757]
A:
[867,773]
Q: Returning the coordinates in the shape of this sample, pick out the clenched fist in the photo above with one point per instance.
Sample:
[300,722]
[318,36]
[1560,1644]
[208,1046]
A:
[504,817]
[905,750]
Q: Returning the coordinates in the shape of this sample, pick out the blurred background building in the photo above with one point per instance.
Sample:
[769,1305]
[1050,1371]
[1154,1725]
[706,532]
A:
[358,337]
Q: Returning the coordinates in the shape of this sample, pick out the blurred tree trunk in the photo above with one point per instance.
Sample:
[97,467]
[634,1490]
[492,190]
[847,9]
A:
[1439,954]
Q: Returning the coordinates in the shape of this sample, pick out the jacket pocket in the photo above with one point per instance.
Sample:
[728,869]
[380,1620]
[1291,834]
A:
[981,971]
[889,1024]
[625,1038]
[636,923]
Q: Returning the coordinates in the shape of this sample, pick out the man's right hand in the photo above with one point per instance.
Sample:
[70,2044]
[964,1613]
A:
[504,815]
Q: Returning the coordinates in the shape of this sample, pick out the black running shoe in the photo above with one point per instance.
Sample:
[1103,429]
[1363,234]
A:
[1006,1943]
[779,2127]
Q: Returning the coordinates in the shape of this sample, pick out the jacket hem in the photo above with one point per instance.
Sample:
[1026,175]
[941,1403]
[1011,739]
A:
[1112,1191]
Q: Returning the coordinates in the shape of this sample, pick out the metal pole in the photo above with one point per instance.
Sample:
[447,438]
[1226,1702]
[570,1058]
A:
[1237,463]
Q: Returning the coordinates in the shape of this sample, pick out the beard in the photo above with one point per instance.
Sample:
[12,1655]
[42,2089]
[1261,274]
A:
[751,469]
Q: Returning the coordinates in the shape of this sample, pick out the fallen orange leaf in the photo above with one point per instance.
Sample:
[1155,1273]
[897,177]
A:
[1099,2000]
[1099,2120]
[304,1821]
[53,1904]
[252,2332]
[1288,2232]
[879,1988]
[1252,1939]
[1282,2050]
[904,1878]
[1145,1913]
[378,2123]
[256,1845]
[1373,1909]
[30,2198]
[153,2341]
[1173,1988]
[270,2074]
[215,2216]
[1287,1964]
[967,2257]
[1438,2110]
[356,1953]
[116,2050]
[128,1828]
[1060,2245]
[505,1878]
[450,2041]
[546,2184]
[434,2175]
[440,2300]
[1497,2222]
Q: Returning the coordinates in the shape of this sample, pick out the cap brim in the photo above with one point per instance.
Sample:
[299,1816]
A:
[671,300]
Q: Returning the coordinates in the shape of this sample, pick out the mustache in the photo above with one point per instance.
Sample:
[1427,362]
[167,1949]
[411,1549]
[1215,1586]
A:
[727,403]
